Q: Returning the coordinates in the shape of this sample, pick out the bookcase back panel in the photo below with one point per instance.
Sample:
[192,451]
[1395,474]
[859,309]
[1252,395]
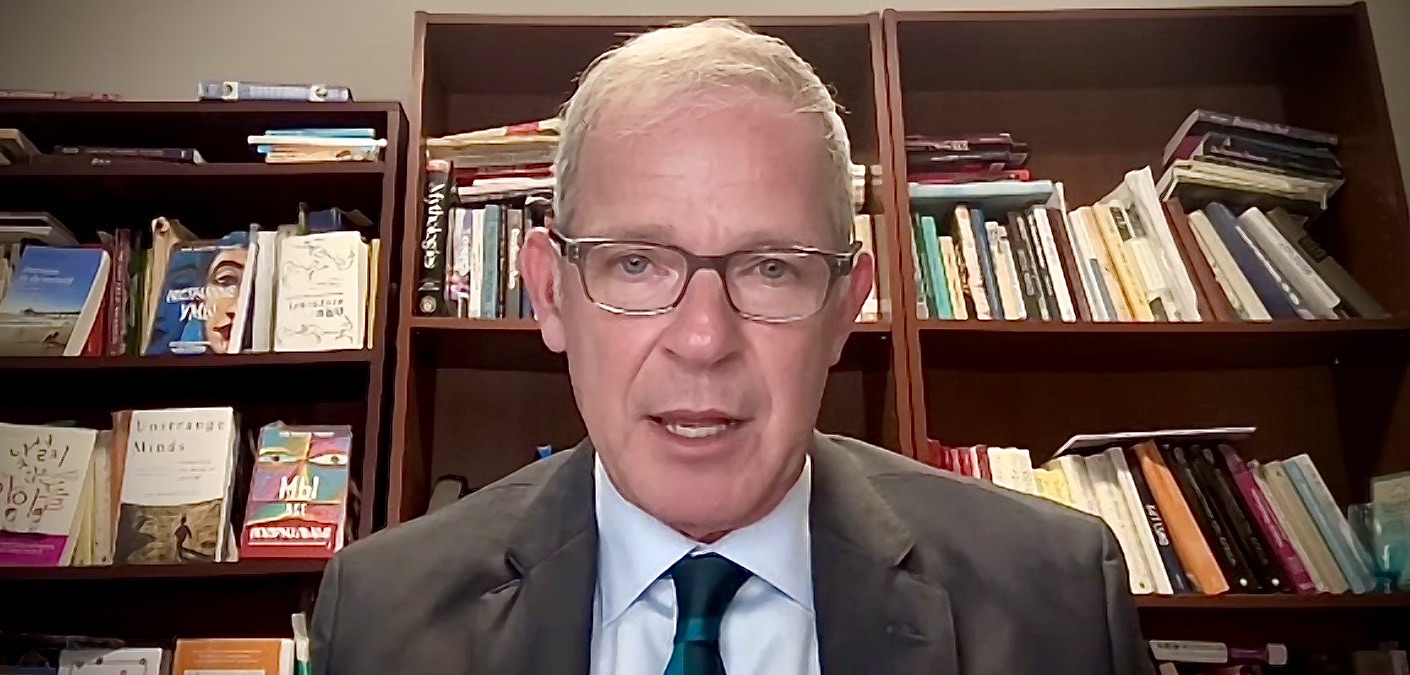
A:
[209,205]
[1294,409]
[158,609]
[1087,138]
[485,75]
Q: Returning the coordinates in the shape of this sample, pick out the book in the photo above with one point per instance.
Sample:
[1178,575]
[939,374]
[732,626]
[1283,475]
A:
[177,487]
[297,505]
[234,656]
[53,301]
[204,303]
[322,293]
[46,489]
[431,270]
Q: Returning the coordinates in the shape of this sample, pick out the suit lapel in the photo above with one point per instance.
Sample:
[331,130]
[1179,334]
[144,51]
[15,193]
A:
[540,619]
[874,615]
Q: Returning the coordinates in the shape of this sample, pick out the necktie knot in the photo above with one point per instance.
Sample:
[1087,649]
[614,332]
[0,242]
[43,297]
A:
[705,585]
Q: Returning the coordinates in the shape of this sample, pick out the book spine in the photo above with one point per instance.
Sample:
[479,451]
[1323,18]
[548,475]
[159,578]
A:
[985,251]
[1104,273]
[490,261]
[1179,581]
[1248,538]
[918,272]
[1190,545]
[1319,296]
[118,293]
[969,251]
[1006,271]
[1214,530]
[949,258]
[1257,504]
[1260,274]
[1113,509]
[1129,284]
[1297,521]
[1073,278]
[513,284]
[431,273]
[1034,304]
[1353,560]
[1330,270]
[1044,264]
[936,294]
[1145,537]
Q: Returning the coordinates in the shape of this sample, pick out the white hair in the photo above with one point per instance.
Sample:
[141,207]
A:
[655,68]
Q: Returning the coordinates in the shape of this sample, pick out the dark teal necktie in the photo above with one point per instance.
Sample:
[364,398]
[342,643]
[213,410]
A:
[705,584]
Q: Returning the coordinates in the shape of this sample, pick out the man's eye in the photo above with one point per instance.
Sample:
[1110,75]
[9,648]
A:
[634,264]
[773,269]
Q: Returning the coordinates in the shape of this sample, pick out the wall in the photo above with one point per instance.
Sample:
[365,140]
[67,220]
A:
[160,49]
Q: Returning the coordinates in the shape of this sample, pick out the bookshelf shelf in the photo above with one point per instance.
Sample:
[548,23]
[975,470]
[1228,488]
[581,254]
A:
[1281,602]
[450,323]
[1273,328]
[154,169]
[246,568]
[360,357]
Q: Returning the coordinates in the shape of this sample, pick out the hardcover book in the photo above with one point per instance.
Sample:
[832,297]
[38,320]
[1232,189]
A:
[298,500]
[176,486]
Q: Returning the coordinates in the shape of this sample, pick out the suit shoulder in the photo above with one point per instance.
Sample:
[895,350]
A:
[420,549]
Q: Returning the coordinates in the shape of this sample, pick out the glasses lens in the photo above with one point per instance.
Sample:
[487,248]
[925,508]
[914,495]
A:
[779,286]
[633,277]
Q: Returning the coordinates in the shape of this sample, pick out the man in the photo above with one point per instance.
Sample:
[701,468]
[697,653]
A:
[701,280]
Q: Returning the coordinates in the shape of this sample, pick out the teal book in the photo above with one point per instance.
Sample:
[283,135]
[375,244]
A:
[938,288]
[923,265]
[491,269]
[1354,561]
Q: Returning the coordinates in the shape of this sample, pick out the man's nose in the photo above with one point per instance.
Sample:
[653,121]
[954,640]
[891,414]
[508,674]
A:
[704,329]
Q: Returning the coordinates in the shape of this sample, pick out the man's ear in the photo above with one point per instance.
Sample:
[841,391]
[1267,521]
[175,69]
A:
[538,271]
[852,292]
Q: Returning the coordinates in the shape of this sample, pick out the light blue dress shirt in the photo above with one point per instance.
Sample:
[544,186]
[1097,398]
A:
[770,627]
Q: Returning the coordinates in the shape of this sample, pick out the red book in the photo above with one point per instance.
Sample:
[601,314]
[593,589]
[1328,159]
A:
[981,455]
[1256,503]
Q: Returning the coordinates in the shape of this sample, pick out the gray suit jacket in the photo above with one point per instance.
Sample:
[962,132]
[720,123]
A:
[915,571]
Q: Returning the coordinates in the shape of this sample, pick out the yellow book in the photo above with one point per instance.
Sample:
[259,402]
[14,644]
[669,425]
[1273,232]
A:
[1052,484]
[1131,285]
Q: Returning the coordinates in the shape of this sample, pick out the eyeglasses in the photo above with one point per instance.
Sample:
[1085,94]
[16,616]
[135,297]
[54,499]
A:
[770,285]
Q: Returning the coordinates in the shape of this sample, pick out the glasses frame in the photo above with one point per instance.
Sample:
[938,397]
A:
[575,250]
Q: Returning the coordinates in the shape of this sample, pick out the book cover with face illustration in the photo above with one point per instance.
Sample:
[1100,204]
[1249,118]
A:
[298,493]
[202,306]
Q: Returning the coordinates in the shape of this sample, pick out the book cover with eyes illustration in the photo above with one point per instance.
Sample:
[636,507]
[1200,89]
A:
[298,502]
[203,305]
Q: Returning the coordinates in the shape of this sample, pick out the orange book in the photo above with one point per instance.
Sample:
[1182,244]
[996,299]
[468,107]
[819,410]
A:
[1185,535]
[265,656]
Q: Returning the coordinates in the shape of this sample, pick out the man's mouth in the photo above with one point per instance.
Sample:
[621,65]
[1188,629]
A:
[695,425]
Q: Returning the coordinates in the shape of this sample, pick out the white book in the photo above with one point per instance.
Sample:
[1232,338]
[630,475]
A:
[1145,538]
[1224,261]
[322,293]
[1138,193]
[1006,272]
[1350,555]
[476,264]
[1053,262]
[1079,484]
[861,231]
[46,488]
[1141,252]
[123,661]
[102,506]
[1089,230]
[1293,535]
[1087,271]
[266,279]
[973,276]
[1021,470]
[1319,296]
[1113,510]
[1221,276]
[949,257]
[1290,507]
[176,486]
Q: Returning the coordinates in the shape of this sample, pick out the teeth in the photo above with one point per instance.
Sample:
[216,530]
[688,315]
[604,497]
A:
[696,430]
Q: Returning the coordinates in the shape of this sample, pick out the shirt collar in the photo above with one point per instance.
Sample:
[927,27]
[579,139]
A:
[635,549]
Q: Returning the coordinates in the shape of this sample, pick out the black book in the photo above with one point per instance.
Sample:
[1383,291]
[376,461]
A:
[512,286]
[1249,538]
[435,214]
[1040,258]
[1028,285]
[1241,578]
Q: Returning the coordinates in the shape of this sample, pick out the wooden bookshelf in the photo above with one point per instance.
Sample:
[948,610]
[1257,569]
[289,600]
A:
[233,189]
[1097,93]
[475,397]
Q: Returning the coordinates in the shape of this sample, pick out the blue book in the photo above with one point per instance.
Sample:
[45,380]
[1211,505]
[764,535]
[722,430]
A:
[986,263]
[983,190]
[1275,291]
[490,269]
[207,285]
[1351,558]
[343,132]
[53,300]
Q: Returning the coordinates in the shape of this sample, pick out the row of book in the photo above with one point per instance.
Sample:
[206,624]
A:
[173,486]
[486,189]
[1203,657]
[37,654]
[1193,517]
[308,286]
[990,243]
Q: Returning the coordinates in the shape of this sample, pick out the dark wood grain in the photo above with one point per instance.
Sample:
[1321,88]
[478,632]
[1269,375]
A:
[245,568]
[1280,602]
[354,357]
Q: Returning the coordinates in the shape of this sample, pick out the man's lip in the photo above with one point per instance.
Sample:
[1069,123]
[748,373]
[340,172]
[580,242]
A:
[695,417]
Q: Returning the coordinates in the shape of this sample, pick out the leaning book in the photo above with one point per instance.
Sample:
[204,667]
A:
[298,500]
[176,487]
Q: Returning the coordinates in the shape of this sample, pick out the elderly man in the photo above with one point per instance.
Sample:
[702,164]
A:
[701,279]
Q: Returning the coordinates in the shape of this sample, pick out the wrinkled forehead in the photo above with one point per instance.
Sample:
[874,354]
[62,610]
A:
[711,173]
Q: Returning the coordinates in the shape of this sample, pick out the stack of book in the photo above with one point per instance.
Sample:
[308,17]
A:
[1191,515]
[1217,152]
[311,145]
[163,487]
[303,287]
[965,158]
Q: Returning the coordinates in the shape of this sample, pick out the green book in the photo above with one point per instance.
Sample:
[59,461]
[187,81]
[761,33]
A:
[937,287]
